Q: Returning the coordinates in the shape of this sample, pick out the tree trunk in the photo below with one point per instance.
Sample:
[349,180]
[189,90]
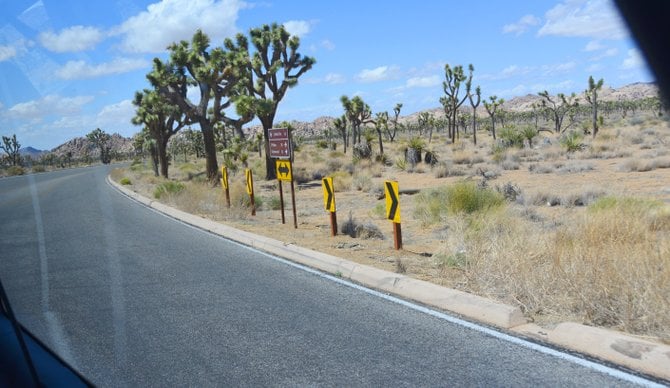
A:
[162,158]
[474,125]
[211,164]
[381,144]
[595,114]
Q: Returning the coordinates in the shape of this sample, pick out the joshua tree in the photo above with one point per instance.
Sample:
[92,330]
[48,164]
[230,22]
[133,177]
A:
[340,125]
[451,86]
[277,66]
[558,110]
[381,123]
[357,113]
[11,147]
[101,140]
[218,73]
[474,102]
[161,119]
[396,114]
[491,108]
[591,95]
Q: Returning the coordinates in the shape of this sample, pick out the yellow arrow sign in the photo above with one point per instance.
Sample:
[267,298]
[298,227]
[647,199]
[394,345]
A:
[284,172]
[224,177]
[328,194]
[250,181]
[392,201]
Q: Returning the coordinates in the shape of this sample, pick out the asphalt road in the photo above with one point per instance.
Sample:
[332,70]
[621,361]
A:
[132,298]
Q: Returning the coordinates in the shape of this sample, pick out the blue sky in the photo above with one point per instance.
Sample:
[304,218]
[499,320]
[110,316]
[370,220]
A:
[68,67]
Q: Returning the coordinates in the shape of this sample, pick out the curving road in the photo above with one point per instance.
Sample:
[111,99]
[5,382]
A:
[132,298]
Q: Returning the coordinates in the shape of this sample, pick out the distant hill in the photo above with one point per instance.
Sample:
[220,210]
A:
[80,147]
[635,91]
[33,153]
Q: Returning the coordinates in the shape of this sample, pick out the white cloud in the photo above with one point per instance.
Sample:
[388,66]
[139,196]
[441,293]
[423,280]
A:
[522,25]
[328,45]
[298,28]
[594,67]
[49,105]
[508,72]
[377,74]
[423,82]
[7,52]
[584,18]
[169,21]
[82,70]
[116,116]
[604,54]
[72,39]
[330,78]
[559,68]
[634,60]
[594,45]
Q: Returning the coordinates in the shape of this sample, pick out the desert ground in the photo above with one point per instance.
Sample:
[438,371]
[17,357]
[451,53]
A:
[578,236]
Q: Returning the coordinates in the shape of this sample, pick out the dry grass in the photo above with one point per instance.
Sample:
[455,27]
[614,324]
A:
[585,257]
[607,268]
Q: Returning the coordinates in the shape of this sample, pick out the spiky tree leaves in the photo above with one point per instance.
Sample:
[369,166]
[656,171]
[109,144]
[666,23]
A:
[558,109]
[451,101]
[216,72]
[101,140]
[11,147]
[277,65]
[396,115]
[161,119]
[491,108]
[357,113]
[591,95]
[381,124]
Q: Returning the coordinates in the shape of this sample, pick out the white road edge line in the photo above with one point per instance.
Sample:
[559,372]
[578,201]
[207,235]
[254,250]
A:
[619,374]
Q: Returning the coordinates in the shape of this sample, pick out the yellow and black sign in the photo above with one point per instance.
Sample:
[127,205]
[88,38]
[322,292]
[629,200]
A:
[392,201]
[224,177]
[284,172]
[250,181]
[328,194]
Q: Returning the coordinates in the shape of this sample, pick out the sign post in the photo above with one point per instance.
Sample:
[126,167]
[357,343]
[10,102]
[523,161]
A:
[224,184]
[393,211]
[250,189]
[280,148]
[329,203]
[280,143]
[284,173]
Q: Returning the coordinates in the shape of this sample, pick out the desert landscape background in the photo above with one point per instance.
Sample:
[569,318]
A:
[569,228]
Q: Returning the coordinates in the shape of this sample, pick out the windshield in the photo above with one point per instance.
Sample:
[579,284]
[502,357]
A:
[507,137]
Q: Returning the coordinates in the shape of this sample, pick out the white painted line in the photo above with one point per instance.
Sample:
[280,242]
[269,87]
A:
[616,373]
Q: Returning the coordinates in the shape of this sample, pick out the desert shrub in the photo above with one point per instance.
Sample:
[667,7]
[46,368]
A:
[168,188]
[341,181]
[572,141]
[511,136]
[509,191]
[431,206]
[274,203]
[361,182]
[356,230]
[574,167]
[401,164]
[38,168]
[322,144]
[125,181]
[15,170]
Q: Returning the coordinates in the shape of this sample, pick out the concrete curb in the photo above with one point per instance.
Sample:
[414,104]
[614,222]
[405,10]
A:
[647,357]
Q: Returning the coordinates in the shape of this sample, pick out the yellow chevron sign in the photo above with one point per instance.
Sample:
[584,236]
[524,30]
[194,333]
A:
[392,201]
[284,172]
[328,194]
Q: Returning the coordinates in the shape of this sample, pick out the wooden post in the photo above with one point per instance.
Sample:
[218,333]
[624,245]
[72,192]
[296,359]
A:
[281,203]
[397,236]
[333,224]
[295,214]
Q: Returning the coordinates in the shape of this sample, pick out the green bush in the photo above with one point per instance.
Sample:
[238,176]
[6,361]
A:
[169,187]
[511,136]
[38,168]
[125,181]
[462,197]
[16,170]
[572,141]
